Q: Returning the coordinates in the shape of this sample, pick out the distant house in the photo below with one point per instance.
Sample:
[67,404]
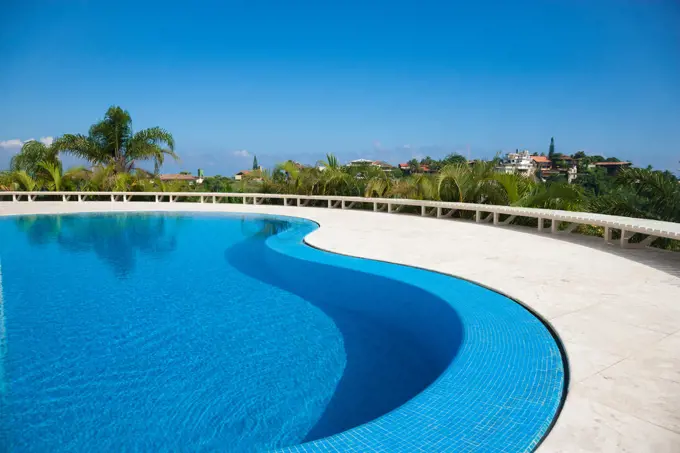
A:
[360,162]
[406,168]
[542,162]
[179,177]
[382,164]
[183,177]
[612,167]
[372,163]
[519,162]
[252,174]
[240,175]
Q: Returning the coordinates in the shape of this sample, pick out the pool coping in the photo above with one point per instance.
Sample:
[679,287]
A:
[553,332]
[596,415]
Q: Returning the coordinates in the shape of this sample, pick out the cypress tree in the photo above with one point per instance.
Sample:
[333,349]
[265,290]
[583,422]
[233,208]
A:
[551,150]
[255,165]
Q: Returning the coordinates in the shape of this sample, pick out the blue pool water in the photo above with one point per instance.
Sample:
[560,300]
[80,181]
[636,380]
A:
[185,332]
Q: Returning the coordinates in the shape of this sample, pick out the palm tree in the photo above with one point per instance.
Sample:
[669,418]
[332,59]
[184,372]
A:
[513,189]
[413,166]
[112,142]
[56,180]
[292,174]
[334,180]
[31,155]
[6,180]
[557,195]
[455,183]
[24,181]
[644,193]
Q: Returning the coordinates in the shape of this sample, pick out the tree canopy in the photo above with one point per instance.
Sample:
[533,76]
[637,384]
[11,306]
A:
[112,142]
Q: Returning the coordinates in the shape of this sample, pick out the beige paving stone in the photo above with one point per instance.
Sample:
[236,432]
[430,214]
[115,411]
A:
[586,426]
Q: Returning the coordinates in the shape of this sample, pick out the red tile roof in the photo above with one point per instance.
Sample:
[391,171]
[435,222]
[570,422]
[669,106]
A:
[381,163]
[177,177]
[541,159]
[612,164]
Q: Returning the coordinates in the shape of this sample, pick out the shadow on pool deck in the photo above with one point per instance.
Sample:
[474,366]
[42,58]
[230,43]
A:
[398,338]
[662,260]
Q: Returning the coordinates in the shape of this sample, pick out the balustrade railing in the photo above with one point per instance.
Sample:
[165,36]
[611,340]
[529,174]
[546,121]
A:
[558,222]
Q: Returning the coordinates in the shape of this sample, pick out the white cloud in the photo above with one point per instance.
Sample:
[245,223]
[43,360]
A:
[17,143]
[13,143]
[241,153]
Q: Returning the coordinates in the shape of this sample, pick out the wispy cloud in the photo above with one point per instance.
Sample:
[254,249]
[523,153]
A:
[18,143]
[241,153]
[13,143]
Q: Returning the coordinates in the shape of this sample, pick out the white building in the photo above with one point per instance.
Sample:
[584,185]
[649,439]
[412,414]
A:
[360,162]
[519,162]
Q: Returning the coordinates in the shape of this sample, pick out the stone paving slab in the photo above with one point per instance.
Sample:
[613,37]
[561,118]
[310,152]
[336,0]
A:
[617,311]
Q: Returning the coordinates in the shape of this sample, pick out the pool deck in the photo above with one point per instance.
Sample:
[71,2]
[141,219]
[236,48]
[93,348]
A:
[616,310]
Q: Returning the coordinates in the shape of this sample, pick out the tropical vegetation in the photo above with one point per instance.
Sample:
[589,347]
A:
[114,151]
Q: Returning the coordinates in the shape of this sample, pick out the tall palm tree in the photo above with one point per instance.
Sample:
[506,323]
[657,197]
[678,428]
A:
[113,142]
[31,155]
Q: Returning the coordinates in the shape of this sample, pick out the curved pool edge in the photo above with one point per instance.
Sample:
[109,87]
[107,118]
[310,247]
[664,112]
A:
[595,408]
[450,439]
[548,325]
[330,442]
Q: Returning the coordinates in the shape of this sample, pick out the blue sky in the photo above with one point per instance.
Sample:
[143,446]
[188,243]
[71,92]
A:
[388,80]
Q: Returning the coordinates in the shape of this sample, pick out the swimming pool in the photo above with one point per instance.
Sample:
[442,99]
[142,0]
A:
[170,332]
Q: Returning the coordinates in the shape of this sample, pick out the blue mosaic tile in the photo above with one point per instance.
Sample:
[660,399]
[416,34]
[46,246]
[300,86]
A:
[255,356]
[500,393]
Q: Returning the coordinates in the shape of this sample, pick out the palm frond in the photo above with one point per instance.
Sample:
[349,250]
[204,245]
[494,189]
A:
[24,181]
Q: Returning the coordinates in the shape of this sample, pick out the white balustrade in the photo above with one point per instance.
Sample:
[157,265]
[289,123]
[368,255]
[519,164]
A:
[440,209]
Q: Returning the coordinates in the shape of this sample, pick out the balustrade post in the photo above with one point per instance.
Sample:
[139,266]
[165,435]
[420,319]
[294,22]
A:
[554,226]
